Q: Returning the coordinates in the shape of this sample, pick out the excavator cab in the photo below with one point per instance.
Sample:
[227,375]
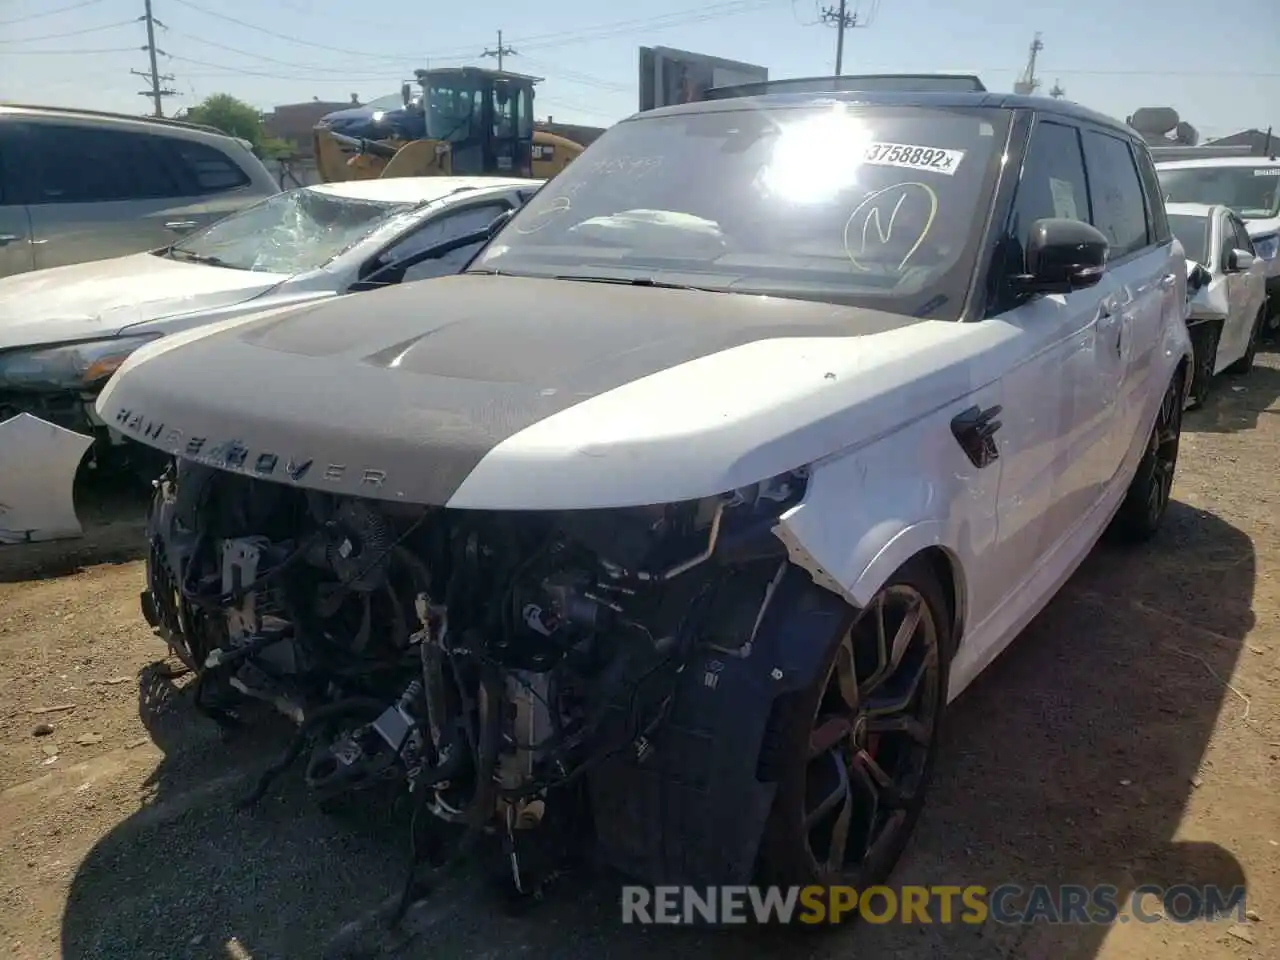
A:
[479,121]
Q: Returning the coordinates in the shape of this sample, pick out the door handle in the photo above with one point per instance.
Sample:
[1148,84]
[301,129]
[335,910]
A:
[8,238]
[1168,279]
[180,225]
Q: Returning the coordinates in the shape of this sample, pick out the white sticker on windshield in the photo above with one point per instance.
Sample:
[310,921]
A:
[1266,172]
[913,157]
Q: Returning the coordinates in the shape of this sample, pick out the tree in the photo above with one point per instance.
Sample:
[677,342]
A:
[238,119]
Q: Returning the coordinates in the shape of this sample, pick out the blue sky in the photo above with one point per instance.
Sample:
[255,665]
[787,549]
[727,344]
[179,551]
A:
[1222,73]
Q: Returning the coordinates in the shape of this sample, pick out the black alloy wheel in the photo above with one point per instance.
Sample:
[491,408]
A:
[1204,341]
[861,742]
[1149,494]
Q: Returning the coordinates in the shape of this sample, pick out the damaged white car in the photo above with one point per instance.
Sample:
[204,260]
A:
[65,330]
[1228,286]
[672,524]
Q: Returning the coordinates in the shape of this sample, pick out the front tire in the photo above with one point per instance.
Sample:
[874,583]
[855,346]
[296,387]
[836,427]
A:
[1204,343]
[1145,504]
[852,754]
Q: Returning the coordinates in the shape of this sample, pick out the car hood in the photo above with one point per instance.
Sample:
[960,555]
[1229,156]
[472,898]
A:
[572,394]
[102,297]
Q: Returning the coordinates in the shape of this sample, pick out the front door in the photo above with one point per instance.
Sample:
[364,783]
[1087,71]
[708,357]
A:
[1062,373]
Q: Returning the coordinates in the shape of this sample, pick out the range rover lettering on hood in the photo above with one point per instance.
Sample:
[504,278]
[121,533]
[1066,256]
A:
[400,393]
[234,455]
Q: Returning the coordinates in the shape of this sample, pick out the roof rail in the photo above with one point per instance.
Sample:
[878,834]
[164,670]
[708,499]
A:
[81,111]
[868,83]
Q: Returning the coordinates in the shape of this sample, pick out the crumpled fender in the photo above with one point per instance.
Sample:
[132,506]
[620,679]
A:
[38,463]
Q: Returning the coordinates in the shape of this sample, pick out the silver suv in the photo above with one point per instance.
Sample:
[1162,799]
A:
[80,185]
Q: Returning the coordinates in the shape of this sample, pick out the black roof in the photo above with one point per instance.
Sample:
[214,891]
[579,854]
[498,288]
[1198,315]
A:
[942,99]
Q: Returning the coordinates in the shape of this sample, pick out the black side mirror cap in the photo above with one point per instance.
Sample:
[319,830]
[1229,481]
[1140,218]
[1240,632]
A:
[1062,256]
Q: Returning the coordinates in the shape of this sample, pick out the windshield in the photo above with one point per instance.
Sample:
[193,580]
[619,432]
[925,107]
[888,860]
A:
[1252,192]
[453,106]
[773,202]
[288,233]
[1193,234]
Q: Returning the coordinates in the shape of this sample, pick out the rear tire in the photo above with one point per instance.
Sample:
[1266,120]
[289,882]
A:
[1145,504]
[862,737]
[1204,343]
[1245,363]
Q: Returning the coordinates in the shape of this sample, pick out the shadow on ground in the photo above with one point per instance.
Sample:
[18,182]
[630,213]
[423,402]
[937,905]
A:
[1069,761]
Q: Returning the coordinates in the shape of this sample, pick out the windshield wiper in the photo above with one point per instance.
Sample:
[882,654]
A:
[186,256]
[637,282]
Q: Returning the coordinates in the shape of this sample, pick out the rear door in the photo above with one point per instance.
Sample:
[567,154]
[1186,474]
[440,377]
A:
[16,254]
[101,191]
[1142,270]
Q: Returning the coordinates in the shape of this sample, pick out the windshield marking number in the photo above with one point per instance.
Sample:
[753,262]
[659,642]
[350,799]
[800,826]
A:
[912,157]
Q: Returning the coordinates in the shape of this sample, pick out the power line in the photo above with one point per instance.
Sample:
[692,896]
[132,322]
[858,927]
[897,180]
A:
[500,52]
[64,53]
[157,93]
[230,71]
[49,13]
[540,41]
[71,33]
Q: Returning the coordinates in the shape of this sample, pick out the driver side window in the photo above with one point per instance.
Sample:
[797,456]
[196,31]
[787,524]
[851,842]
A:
[1052,185]
[447,226]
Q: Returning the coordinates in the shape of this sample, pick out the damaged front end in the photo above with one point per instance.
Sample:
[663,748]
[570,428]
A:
[514,672]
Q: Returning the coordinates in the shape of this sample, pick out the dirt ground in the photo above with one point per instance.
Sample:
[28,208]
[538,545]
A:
[1131,736]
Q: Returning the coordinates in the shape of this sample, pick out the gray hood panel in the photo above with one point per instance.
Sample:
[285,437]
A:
[399,393]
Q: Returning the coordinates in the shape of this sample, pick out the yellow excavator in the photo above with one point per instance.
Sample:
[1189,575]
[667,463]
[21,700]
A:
[467,121]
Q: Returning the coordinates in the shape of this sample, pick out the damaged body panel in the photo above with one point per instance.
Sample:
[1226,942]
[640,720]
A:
[36,500]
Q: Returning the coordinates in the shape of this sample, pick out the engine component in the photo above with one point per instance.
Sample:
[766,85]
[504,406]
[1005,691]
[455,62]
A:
[485,661]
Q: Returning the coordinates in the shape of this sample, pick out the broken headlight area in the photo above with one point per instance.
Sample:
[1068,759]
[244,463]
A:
[66,367]
[485,661]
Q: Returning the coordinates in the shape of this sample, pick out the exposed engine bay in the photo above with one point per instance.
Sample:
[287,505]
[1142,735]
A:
[485,662]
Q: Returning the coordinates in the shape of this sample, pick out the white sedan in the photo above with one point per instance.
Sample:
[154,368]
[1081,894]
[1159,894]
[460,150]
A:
[65,330]
[1228,304]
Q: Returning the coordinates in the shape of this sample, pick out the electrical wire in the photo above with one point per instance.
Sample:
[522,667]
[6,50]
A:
[72,33]
[540,41]
[49,13]
[65,53]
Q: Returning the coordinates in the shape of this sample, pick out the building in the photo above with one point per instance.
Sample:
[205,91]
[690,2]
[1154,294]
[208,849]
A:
[293,122]
[1259,142]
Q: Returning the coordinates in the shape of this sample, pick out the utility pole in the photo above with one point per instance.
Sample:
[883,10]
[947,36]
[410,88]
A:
[1028,84]
[843,20]
[499,53]
[156,93]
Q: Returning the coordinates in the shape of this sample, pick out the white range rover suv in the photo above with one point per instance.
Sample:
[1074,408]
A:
[733,456]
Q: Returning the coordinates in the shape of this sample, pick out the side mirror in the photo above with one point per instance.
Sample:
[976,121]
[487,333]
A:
[1062,256]
[1197,277]
[406,93]
[1238,261]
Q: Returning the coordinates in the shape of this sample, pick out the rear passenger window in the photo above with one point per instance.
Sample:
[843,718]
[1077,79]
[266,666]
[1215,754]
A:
[211,171]
[94,165]
[1052,185]
[1156,212]
[1116,192]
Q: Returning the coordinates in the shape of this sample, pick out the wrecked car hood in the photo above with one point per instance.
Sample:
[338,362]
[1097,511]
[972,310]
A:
[519,393]
[100,298]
